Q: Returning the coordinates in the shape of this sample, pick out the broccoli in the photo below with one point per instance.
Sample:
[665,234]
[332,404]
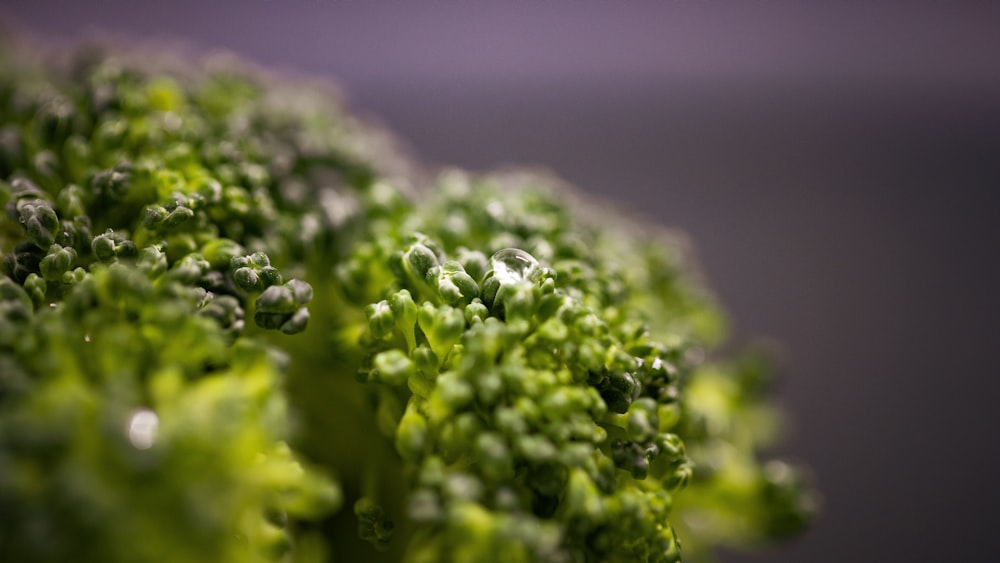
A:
[236,324]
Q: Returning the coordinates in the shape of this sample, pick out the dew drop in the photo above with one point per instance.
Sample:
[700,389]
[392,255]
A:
[495,210]
[512,265]
[142,428]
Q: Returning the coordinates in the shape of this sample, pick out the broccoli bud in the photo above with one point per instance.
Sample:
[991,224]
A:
[254,272]
[282,307]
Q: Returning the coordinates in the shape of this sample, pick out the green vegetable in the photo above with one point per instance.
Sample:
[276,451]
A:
[230,311]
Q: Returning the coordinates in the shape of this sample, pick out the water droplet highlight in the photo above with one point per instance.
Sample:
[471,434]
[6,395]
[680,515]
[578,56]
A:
[512,265]
[495,209]
[142,428]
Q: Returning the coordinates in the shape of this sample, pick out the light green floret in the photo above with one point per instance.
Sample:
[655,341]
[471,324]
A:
[526,408]
[549,390]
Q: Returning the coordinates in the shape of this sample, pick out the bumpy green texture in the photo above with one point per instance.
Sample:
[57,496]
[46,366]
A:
[235,325]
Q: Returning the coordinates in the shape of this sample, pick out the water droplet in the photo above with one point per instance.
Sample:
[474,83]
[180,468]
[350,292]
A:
[512,265]
[142,428]
[495,209]
[172,121]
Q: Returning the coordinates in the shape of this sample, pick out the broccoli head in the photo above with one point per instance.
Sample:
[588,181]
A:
[237,324]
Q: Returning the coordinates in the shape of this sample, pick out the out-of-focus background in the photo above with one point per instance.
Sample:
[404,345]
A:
[837,166]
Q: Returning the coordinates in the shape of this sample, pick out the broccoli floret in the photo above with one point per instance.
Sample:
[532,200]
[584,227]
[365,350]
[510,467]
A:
[230,311]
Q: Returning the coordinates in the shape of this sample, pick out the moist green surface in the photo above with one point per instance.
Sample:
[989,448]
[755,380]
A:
[236,325]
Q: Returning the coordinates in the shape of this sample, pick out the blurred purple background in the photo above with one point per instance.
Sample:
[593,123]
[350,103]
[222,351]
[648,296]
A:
[837,166]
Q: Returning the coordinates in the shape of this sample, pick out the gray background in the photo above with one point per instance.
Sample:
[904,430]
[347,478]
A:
[838,167]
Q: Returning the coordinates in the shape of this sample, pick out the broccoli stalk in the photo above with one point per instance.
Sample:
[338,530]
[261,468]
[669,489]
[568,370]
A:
[235,325]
